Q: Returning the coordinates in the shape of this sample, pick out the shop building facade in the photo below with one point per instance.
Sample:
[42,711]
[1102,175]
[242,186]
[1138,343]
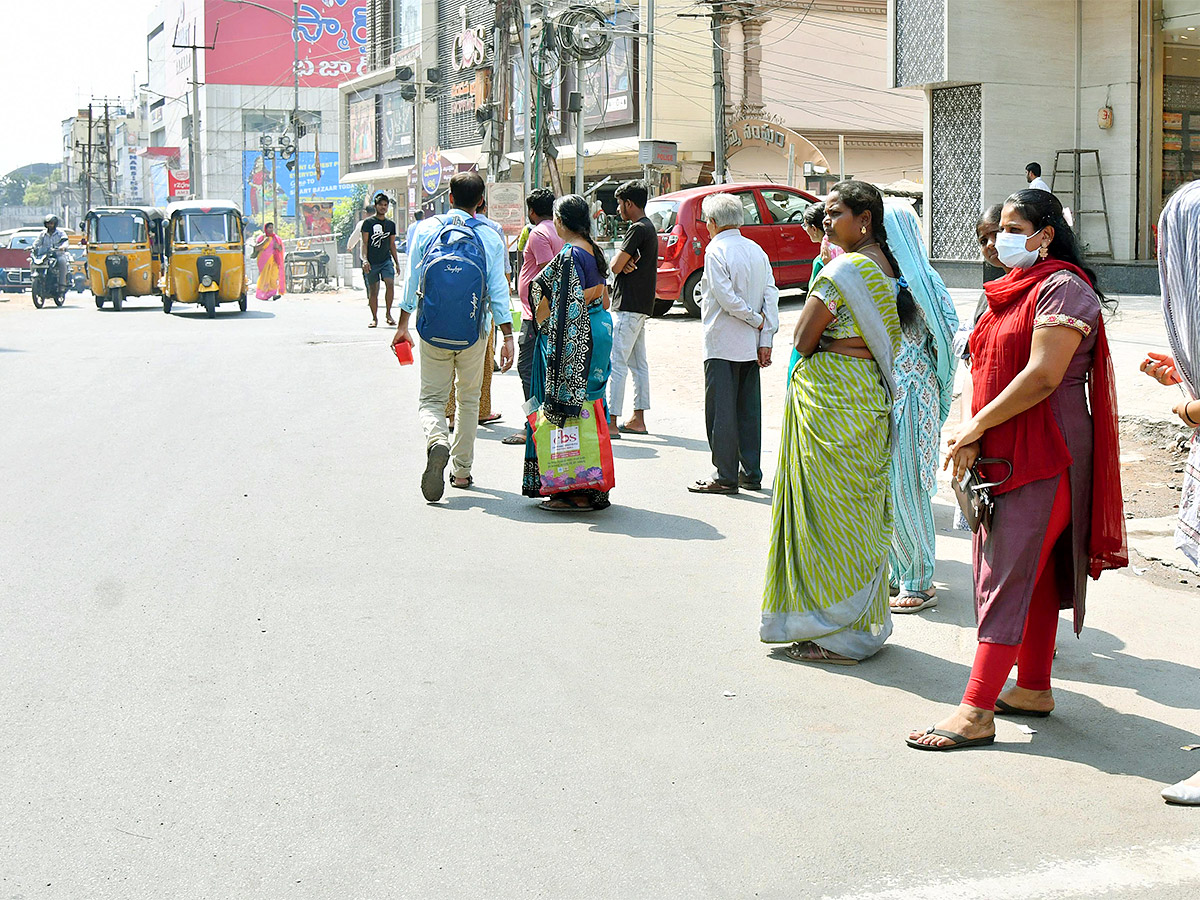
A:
[473,115]
[818,71]
[245,58]
[1010,82]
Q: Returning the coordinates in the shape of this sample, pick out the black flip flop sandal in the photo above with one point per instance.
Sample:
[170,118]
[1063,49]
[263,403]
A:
[957,741]
[1007,709]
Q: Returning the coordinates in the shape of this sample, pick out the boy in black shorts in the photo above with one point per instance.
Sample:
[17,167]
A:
[379,258]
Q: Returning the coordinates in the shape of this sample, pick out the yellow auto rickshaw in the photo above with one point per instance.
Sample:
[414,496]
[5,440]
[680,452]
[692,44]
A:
[124,252]
[205,255]
[77,251]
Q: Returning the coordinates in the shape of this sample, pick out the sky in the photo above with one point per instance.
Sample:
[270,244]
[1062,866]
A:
[57,55]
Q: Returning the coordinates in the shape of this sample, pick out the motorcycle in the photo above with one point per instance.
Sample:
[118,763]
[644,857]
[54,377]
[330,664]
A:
[46,282]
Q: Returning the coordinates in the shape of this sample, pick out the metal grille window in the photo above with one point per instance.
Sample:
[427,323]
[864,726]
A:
[379,33]
[464,56]
[956,182]
[920,42]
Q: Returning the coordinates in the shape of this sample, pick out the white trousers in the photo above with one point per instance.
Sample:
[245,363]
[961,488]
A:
[629,355]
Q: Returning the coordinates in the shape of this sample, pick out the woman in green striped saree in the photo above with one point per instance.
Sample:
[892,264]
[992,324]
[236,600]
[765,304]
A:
[827,569]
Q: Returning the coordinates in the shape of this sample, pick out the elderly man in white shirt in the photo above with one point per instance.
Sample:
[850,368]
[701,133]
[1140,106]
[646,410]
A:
[740,310]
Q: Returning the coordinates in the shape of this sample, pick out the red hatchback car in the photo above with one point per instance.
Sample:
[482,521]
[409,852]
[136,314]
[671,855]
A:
[774,220]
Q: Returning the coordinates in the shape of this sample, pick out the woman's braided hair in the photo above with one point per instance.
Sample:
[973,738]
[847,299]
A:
[860,197]
[575,214]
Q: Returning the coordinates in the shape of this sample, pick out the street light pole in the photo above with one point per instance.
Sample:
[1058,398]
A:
[296,107]
[294,18]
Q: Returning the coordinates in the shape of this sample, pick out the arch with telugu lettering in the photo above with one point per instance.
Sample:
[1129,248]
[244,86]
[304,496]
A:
[745,134]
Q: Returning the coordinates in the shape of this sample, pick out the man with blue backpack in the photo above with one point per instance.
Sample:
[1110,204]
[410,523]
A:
[456,291]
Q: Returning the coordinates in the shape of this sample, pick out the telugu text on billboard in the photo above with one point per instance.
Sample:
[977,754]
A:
[254,46]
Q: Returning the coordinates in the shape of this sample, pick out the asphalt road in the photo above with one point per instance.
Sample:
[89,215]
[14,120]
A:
[242,657]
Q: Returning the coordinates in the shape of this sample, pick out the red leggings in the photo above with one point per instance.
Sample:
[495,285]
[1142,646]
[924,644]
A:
[1034,656]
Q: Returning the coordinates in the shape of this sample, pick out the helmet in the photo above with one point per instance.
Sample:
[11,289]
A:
[50,221]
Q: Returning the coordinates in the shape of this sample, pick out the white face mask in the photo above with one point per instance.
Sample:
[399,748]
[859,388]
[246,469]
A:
[1012,250]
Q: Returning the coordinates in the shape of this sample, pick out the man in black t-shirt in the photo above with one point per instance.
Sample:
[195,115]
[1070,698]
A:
[636,268]
[379,258]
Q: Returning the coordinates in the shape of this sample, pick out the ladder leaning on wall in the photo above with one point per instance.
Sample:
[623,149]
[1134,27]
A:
[1074,158]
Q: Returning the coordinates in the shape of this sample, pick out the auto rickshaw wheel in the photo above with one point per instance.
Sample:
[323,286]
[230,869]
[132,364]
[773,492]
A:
[242,304]
[117,296]
[210,303]
[167,301]
[99,301]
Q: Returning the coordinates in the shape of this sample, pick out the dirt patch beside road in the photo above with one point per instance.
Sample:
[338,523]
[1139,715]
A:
[1152,457]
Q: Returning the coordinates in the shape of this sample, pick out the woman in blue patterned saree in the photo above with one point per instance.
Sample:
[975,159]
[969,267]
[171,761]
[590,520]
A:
[924,389]
[572,356]
[827,568]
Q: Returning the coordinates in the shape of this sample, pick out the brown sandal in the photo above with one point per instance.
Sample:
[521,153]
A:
[712,487]
[807,651]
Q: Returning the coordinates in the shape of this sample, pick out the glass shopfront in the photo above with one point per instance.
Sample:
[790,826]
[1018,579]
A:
[1175,78]
[1180,123]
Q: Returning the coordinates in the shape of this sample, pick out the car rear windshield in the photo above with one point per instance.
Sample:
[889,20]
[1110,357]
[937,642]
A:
[662,213]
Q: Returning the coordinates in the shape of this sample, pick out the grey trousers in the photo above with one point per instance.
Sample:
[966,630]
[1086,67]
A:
[733,414]
[526,347]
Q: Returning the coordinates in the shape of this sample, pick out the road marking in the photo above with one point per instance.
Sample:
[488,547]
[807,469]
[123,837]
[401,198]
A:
[1136,867]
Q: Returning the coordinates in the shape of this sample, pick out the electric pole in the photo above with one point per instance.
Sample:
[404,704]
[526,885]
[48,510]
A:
[108,151]
[195,175]
[296,109]
[108,147]
[527,98]
[649,70]
[715,22]
[88,157]
[501,74]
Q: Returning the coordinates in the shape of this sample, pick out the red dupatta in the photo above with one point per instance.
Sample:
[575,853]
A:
[1032,441]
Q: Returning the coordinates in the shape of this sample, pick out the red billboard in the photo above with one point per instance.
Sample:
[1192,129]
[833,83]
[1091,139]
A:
[256,45]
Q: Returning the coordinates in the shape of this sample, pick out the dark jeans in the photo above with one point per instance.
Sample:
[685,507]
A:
[733,414]
[526,347]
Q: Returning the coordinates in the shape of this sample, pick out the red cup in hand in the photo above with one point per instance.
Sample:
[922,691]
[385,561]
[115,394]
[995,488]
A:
[403,351]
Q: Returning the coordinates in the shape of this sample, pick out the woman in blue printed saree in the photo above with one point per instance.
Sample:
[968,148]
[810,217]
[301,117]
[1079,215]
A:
[924,374]
[827,568]
[571,361]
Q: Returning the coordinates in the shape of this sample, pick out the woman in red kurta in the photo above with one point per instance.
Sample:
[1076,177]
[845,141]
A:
[1059,516]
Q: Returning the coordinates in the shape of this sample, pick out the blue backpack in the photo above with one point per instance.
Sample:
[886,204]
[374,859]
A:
[452,310]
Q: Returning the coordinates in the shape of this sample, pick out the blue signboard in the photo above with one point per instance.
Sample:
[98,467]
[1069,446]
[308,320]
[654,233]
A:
[258,191]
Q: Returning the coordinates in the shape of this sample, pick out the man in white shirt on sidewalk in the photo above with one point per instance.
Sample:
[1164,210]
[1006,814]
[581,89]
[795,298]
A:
[1033,174]
[739,307]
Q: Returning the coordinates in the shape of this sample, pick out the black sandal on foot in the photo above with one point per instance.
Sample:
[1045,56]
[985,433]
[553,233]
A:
[957,741]
[1007,709]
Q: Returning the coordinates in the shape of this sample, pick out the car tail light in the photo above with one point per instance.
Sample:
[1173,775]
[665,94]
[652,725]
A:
[673,244]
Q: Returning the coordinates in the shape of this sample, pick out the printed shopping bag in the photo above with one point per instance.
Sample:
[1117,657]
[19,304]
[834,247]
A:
[577,456]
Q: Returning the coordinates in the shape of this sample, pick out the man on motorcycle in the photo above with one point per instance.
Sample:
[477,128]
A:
[52,239]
